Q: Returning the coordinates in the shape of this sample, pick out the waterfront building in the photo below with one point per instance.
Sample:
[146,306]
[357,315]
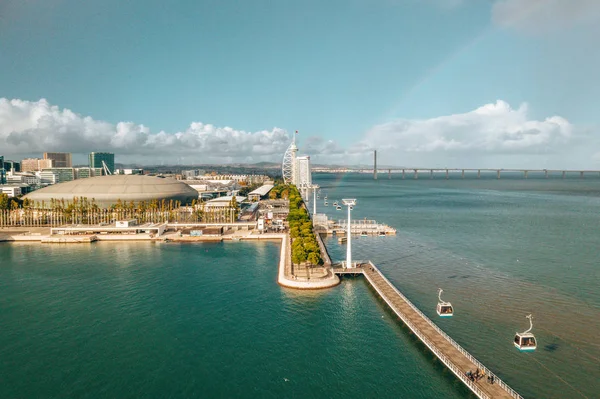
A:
[108,190]
[36,164]
[99,159]
[192,174]
[47,176]
[29,179]
[248,179]
[129,171]
[303,174]
[59,159]
[10,189]
[62,174]
[260,193]
[84,173]
[296,169]
[12,166]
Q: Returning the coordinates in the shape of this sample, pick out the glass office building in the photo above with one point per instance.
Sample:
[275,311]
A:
[2,171]
[96,159]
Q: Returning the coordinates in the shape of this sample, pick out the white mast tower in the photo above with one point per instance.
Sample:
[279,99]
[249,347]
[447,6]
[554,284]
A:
[288,166]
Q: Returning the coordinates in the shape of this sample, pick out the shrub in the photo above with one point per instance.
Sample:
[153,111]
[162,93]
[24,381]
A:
[304,244]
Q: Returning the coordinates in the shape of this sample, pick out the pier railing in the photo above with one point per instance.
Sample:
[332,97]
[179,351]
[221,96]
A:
[448,363]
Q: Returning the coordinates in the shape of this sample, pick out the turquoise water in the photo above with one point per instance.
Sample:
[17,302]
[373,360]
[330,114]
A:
[182,320]
[501,250]
[208,320]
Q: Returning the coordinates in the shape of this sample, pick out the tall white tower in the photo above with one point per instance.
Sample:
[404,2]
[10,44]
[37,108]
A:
[288,166]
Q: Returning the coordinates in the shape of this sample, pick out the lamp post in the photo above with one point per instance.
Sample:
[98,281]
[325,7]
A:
[349,203]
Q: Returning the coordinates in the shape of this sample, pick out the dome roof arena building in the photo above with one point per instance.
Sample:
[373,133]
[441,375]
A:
[107,190]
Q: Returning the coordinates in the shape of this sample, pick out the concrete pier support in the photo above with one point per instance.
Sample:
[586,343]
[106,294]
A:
[498,174]
[462,174]
[447,176]
[403,174]
[416,174]
[389,174]
[478,173]
[525,173]
[581,174]
[431,174]
[546,173]
[563,174]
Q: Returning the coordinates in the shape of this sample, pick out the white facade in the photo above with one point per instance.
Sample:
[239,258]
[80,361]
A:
[303,176]
[11,191]
[296,169]
[22,178]
[47,177]
[129,171]
[288,165]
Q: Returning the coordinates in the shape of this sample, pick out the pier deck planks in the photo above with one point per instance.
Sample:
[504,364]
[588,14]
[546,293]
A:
[405,311]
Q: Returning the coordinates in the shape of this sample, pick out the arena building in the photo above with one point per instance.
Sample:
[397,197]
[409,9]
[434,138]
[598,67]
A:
[107,190]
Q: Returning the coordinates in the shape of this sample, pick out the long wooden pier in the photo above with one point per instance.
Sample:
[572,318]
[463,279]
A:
[455,357]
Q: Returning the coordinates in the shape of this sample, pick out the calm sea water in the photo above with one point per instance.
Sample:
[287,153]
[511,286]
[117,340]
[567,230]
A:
[208,320]
[500,249]
[132,320]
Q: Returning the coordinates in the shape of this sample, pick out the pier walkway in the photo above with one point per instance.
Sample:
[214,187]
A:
[456,358]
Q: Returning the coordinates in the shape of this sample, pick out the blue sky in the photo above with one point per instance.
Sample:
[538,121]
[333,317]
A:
[350,75]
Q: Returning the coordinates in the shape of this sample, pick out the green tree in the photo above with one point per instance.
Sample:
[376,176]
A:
[4,201]
[314,258]
[294,232]
[235,206]
[299,255]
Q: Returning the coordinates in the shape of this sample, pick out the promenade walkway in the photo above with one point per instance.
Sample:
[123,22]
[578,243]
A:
[456,358]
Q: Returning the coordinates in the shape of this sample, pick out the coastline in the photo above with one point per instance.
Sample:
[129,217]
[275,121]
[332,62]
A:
[323,278]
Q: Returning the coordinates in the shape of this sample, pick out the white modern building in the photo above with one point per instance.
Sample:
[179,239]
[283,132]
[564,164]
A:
[296,169]
[22,178]
[10,190]
[303,172]
[47,177]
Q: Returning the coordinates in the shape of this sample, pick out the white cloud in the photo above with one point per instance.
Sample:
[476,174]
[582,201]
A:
[541,16]
[491,135]
[35,127]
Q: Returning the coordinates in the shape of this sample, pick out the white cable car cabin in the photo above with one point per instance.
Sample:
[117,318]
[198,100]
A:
[444,309]
[525,341]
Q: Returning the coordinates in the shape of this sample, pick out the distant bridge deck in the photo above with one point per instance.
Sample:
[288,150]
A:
[456,358]
[416,172]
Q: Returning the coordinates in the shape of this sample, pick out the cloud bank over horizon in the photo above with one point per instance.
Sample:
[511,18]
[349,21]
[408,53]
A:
[493,135]
[29,127]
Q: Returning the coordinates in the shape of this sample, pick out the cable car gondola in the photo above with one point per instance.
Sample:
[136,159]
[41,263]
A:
[444,309]
[525,341]
[338,207]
